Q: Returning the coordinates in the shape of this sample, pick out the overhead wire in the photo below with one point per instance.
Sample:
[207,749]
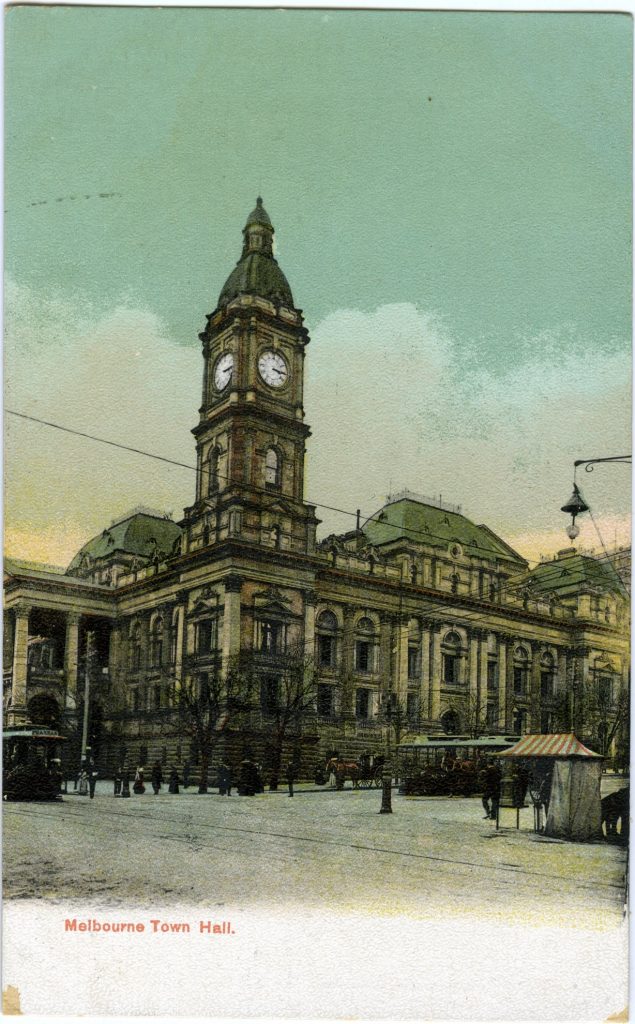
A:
[512,584]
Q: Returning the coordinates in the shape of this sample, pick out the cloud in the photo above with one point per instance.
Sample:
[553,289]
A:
[390,398]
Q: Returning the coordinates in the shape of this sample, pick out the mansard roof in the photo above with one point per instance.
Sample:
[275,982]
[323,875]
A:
[141,534]
[569,571]
[435,526]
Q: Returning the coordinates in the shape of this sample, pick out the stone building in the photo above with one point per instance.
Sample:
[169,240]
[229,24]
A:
[416,620]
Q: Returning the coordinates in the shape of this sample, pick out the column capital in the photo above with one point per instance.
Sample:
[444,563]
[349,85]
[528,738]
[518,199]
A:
[233,583]
[22,609]
[310,598]
[73,618]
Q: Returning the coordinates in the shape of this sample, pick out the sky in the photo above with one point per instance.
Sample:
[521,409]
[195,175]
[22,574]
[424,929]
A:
[451,194]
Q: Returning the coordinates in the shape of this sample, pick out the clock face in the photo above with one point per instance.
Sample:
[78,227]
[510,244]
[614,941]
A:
[223,371]
[273,368]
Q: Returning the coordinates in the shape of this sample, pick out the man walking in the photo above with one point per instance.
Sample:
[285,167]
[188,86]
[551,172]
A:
[157,777]
[290,777]
[92,777]
[491,777]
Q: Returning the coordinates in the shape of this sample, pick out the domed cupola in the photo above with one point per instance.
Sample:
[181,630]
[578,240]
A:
[257,272]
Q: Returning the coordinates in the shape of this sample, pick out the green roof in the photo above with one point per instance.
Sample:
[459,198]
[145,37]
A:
[256,274]
[140,534]
[569,572]
[427,524]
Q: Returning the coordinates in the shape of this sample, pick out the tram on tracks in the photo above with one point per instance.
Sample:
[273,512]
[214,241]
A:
[31,757]
[446,765]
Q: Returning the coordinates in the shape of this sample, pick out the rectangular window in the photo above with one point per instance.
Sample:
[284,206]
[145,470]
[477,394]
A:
[157,696]
[362,657]
[206,634]
[325,700]
[362,703]
[326,651]
[135,700]
[412,707]
[604,692]
[546,685]
[450,668]
[492,675]
[269,695]
[519,679]
[271,639]
[413,661]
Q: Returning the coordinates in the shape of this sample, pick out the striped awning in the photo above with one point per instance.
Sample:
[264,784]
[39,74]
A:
[560,744]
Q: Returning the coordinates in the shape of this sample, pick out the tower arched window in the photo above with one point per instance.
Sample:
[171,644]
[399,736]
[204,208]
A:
[212,470]
[273,467]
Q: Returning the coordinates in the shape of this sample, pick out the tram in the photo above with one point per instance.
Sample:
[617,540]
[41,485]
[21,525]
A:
[446,765]
[31,763]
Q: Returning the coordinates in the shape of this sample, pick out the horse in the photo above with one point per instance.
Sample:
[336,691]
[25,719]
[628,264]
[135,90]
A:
[615,807]
[343,770]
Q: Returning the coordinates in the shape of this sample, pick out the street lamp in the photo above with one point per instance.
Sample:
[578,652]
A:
[386,775]
[576,504]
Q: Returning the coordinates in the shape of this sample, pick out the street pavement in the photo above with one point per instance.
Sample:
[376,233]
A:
[322,849]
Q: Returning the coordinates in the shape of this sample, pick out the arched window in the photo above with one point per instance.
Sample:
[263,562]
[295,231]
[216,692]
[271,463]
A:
[326,639]
[365,646]
[451,659]
[135,647]
[547,675]
[212,470]
[521,670]
[156,642]
[272,468]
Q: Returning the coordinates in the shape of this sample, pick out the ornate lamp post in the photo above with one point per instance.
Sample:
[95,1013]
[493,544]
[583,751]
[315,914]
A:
[576,504]
[386,775]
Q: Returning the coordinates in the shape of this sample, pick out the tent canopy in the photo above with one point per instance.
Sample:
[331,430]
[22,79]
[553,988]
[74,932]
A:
[560,744]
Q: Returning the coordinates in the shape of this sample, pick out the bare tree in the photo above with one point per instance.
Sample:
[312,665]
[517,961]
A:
[288,697]
[209,701]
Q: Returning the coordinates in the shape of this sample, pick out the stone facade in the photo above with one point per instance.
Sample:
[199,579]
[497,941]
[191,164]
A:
[417,620]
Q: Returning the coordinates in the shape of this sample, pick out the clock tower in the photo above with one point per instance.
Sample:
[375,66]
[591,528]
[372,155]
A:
[251,435]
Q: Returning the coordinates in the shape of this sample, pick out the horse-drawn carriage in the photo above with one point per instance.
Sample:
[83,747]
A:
[363,773]
[446,766]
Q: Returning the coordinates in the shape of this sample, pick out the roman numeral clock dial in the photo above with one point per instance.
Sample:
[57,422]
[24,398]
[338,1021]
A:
[223,371]
[272,368]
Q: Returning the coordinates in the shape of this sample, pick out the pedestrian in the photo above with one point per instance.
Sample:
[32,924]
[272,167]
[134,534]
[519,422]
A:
[491,781]
[83,783]
[290,777]
[125,782]
[228,780]
[187,767]
[222,778]
[173,786]
[56,775]
[92,777]
[156,777]
[138,786]
[118,781]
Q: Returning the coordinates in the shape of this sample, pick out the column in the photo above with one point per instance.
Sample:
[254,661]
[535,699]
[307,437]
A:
[71,654]
[483,690]
[509,683]
[580,686]
[534,688]
[424,693]
[16,714]
[347,707]
[402,662]
[473,704]
[561,675]
[231,619]
[502,681]
[310,600]
[435,682]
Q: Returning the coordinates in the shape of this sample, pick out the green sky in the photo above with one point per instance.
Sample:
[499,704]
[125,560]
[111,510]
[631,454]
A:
[474,166]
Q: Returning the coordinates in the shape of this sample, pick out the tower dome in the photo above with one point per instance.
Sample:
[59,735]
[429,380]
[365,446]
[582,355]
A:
[257,272]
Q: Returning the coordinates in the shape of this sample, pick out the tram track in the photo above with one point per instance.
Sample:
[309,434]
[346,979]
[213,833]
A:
[321,841]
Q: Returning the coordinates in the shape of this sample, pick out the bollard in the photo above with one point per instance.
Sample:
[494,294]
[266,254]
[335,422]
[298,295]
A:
[386,790]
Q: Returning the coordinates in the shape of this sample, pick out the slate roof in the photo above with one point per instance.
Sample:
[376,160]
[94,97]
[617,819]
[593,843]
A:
[426,524]
[133,536]
[257,274]
[570,572]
